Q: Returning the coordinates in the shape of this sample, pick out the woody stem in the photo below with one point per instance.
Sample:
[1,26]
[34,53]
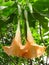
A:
[30,62]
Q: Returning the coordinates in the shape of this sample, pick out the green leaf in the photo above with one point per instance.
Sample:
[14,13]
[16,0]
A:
[31,20]
[1,1]
[9,3]
[8,11]
[42,6]
[41,19]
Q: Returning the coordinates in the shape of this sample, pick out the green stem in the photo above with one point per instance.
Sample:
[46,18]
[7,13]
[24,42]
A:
[42,41]
[41,35]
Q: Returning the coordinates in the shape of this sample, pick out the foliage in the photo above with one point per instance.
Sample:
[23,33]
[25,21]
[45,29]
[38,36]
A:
[38,18]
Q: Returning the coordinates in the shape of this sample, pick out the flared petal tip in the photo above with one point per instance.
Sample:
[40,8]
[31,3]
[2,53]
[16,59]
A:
[41,51]
[6,50]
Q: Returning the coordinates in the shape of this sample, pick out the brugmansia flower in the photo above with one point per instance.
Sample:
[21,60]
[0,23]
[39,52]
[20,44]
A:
[29,50]
[16,45]
[32,50]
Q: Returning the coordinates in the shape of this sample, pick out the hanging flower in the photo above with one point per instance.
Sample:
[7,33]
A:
[29,50]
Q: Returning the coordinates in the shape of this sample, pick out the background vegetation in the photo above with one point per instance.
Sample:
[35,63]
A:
[38,18]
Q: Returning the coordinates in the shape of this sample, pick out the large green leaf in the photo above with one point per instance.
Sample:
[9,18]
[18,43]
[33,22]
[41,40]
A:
[9,3]
[31,20]
[8,11]
[41,19]
[1,1]
[42,6]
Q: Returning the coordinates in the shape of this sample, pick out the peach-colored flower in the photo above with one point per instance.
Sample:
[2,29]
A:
[29,50]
